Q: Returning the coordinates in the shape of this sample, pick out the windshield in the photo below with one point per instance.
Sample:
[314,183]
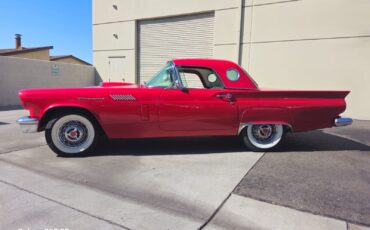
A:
[163,79]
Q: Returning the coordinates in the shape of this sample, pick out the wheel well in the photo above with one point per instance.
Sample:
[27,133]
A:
[287,127]
[63,110]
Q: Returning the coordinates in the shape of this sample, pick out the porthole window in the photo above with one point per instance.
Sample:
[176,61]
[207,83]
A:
[212,78]
[232,74]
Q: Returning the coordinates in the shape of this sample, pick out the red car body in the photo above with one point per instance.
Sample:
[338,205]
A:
[125,110]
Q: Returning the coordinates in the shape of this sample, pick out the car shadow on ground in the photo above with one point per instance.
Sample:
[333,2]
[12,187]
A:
[11,107]
[170,146]
[319,141]
[297,142]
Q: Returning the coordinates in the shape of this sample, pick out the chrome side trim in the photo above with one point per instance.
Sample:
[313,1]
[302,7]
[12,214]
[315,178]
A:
[28,124]
[342,121]
[91,98]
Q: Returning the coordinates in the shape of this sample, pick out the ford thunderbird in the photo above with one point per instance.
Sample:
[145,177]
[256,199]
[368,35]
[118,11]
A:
[188,97]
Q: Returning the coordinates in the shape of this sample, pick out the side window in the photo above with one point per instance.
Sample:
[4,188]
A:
[199,78]
[232,74]
[191,80]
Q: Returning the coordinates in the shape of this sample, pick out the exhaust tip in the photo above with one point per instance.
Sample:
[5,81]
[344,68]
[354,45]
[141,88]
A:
[343,121]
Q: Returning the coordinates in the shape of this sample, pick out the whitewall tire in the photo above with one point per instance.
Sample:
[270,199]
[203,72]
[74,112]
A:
[71,135]
[262,137]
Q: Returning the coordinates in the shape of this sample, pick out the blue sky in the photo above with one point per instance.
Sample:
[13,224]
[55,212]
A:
[64,24]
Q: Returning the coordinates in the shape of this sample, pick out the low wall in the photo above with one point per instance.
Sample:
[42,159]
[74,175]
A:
[21,73]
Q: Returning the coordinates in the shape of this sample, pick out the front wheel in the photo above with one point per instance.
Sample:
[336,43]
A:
[71,135]
[262,137]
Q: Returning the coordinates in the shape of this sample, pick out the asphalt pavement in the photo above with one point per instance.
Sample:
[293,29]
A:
[315,172]
[316,180]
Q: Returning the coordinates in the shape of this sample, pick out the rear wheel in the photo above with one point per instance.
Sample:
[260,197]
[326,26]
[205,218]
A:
[262,137]
[71,135]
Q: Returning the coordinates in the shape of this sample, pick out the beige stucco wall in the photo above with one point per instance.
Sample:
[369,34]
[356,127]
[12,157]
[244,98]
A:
[122,22]
[311,44]
[297,44]
[41,55]
[20,73]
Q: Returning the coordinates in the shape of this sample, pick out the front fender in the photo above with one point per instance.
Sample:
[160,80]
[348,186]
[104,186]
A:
[69,105]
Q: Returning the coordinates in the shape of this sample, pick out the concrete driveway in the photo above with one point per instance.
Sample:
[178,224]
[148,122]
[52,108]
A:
[316,180]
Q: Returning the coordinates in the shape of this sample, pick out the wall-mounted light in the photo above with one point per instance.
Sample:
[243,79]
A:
[115,7]
[115,36]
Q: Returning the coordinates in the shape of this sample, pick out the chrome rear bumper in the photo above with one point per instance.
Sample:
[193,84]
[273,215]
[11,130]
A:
[28,124]
[342,121]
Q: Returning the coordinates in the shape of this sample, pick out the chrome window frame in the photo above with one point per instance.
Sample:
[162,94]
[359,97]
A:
[173,69]
[177,83]
[177,76]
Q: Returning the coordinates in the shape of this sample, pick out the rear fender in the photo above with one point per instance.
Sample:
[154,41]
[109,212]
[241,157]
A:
[265,115]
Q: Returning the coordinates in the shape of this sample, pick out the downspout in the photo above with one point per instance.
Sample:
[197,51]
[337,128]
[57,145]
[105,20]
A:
[250,39]
[239,40]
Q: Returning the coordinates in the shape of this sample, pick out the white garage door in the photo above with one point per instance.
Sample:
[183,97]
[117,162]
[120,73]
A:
[160,40]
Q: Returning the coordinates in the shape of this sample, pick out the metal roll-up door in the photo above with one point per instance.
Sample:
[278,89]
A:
[160,40]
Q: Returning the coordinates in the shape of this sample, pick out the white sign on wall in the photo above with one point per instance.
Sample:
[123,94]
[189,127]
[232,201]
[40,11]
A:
[55,70]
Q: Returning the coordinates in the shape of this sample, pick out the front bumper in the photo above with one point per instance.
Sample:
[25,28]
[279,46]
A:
[342,121]
[28,124]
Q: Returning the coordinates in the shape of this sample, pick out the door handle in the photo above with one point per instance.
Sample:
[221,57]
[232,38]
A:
[226,96]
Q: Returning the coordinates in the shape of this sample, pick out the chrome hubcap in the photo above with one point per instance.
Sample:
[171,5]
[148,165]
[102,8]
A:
[73,133]
[263,133]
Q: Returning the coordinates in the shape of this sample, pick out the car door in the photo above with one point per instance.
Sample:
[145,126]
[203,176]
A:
[197,109]
[131,112]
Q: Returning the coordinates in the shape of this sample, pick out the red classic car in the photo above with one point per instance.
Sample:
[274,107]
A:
[188,97]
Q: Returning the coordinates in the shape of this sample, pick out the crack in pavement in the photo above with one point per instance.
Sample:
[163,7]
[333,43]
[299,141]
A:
[229,195]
